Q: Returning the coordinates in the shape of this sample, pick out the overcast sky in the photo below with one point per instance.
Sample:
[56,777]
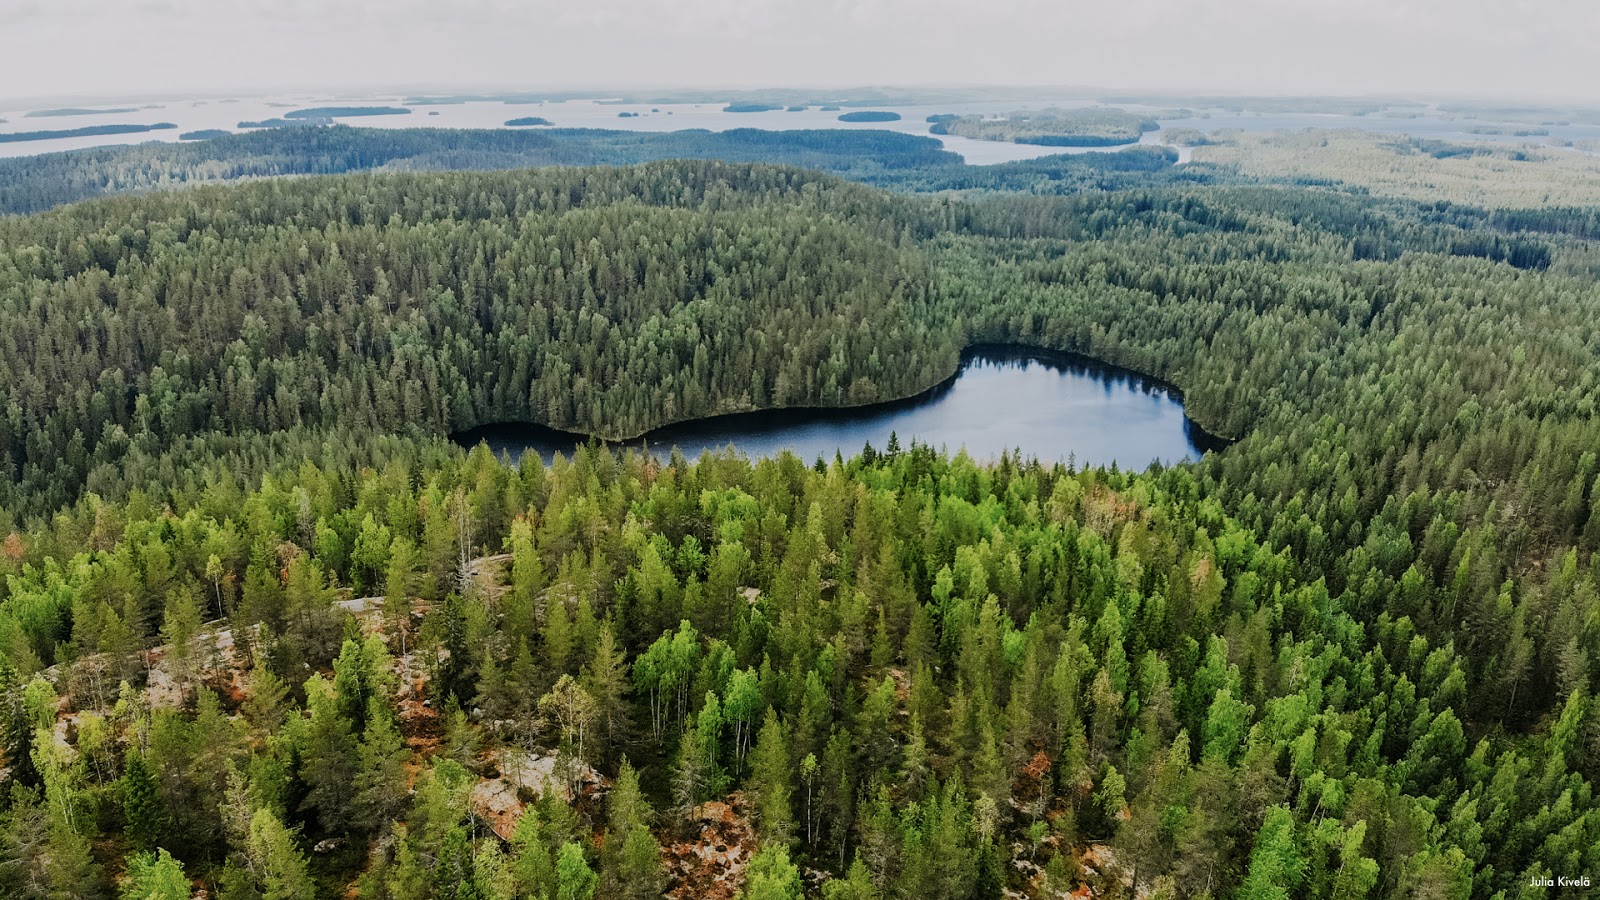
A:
[88,48]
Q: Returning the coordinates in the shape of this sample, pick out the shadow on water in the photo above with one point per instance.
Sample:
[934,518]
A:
[1055,406]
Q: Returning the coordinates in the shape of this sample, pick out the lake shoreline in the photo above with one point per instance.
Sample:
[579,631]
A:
[667,433]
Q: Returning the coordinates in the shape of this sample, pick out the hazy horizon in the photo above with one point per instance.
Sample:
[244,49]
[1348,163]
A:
[1534,50]
[602,91]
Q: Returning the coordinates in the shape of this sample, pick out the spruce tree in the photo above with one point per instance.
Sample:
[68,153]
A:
[148,824]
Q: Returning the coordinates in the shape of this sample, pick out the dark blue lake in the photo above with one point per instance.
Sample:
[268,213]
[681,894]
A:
[1053,406]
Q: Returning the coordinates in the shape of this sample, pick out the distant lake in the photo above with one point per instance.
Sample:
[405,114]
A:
[196,115]
[1056,407]
[204,114]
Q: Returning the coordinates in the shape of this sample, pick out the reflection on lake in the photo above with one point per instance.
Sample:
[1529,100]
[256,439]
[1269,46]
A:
[1052,406]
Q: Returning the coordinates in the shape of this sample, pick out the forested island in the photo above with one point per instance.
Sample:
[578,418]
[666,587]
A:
[86,131]
[869,115]
[1052,127]
[76,111]
[1186,137]
[527,121]
[345,112]
[265,631]
[282,123]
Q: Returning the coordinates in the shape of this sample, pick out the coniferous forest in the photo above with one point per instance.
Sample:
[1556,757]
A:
[267,633]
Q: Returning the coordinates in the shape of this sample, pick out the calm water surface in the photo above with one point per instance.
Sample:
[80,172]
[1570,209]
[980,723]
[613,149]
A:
[1054,407]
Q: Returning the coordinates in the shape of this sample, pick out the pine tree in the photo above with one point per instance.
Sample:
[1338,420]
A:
[180,625]
[408,876]
[380,777]
[639,870]
[531,861]
[1142,841]
[770,773]
[16,731]
[989,881]
[264,707]
[328,764]
[453,872]
[574,879]
[398,586]
[279,865]
[557,634]
[771,876]
[1357,874]
[154,876]
[462,736]
[493,873]
[605,678]
[1276,864]
[856,885]
[631,858]
[527,581]
[689,778]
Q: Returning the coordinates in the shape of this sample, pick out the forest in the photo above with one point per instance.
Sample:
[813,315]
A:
[1493,175]
[904,163]
[264,631]
[35,183]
